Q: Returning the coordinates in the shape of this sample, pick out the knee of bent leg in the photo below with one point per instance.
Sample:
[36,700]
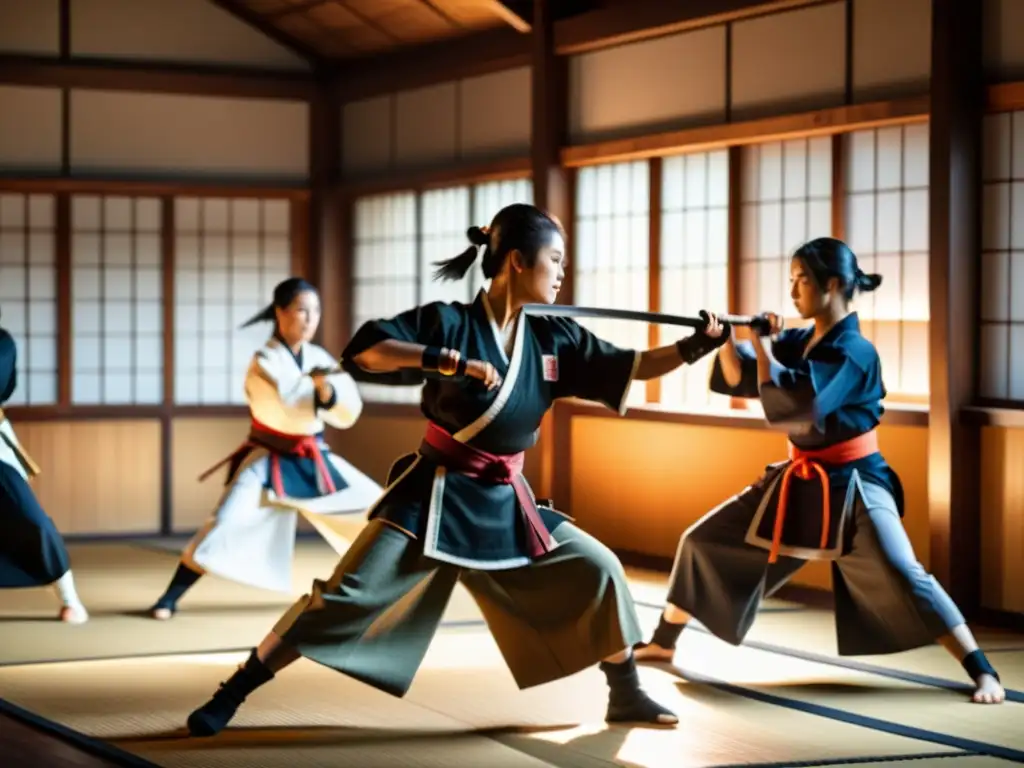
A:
[599,558]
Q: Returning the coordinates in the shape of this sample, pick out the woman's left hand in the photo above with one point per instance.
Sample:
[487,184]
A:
[715,328]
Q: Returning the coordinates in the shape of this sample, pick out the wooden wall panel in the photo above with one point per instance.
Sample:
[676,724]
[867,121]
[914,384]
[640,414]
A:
[197,443]
[183,31]
[367,140]
[637,485]
[98,477]
[30,129]
[235,138]
[494,115]
[30,26]
[668,82]
[891,48]
[476,119]
[1002,519]
[1004,40]
[426,126]
[789,62]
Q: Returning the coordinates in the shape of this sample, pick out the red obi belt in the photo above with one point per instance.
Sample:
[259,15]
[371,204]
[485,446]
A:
[278,444]
[491,468]
[805,464]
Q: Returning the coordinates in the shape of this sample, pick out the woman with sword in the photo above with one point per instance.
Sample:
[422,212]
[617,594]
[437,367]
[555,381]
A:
[285,467]
[459,508]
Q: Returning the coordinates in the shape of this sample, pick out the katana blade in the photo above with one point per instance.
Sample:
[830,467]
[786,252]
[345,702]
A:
[659,318]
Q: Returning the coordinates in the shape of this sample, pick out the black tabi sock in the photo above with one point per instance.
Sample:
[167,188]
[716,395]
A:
[667,633]
[976,664]
[183,580]
[212,717]
[623,679]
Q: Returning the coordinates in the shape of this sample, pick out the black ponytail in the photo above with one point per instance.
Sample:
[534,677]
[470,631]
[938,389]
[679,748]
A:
[284,294]
[517,227]
[457,267]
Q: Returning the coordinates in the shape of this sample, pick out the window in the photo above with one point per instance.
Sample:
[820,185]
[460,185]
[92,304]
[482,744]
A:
[693,260]
[489,198]
[229,256]
[786,200]
[1002,260]
[612,251]
[117,300]
[28,293]
[385,276]
[887,227]
[444,219]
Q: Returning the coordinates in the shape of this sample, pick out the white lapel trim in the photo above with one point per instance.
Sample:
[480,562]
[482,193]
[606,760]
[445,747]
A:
[467,433]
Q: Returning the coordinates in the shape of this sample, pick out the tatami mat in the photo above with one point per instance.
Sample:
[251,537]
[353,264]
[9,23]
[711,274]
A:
[119,581]
[325,718]
[783,699]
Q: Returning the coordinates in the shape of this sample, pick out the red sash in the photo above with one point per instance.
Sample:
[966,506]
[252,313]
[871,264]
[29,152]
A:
[279,444]
[803,463]
[488,467]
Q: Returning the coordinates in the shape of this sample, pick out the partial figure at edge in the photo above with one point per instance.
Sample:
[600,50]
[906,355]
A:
[32,551]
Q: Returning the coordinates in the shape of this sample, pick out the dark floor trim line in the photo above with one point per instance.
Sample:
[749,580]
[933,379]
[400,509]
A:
[863,721]
[871,669]
[96,747]
[853,760]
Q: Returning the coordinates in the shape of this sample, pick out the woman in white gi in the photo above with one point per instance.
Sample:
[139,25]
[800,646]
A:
[32,552]
[284,468]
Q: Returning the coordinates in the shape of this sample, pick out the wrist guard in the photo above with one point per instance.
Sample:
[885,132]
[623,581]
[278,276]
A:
[977,664]
[694,347]
[432,359]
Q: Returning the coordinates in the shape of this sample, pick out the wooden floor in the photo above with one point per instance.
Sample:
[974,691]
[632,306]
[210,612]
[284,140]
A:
[116,691]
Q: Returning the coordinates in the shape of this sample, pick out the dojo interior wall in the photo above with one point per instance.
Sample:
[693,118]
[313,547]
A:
[105,475]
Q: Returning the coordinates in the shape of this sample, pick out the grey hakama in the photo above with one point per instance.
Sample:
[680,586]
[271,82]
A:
[885,601]
[551,616]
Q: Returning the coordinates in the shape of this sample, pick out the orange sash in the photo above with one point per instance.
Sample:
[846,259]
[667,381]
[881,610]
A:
[804,464]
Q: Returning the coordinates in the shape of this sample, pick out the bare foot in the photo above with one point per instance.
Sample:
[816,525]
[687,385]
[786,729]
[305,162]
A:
[652,652]
[74,614]
[989,691]
[161,614]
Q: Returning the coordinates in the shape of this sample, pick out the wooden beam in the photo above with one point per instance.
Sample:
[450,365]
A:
[552,192]
[326,233]
[267,29]
[510,17]
[645,19]
[154,77]
[954,470]
[1005,97]
[129,186]
[479,54]
[435,178]
[821,122]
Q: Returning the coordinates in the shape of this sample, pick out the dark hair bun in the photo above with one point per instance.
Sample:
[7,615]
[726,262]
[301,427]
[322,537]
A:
[868,283]
[477,236]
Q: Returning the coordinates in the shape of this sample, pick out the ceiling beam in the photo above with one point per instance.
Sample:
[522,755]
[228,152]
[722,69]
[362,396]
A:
[263,26]
[501,49]
[506,14]
[645,19]
[118,75]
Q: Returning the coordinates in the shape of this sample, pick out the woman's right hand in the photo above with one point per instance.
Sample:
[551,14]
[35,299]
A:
[775,322]
[485,372]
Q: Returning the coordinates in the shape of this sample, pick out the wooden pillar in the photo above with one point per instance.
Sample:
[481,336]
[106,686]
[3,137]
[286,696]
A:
[957,111]
[552,191]
[325,257]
